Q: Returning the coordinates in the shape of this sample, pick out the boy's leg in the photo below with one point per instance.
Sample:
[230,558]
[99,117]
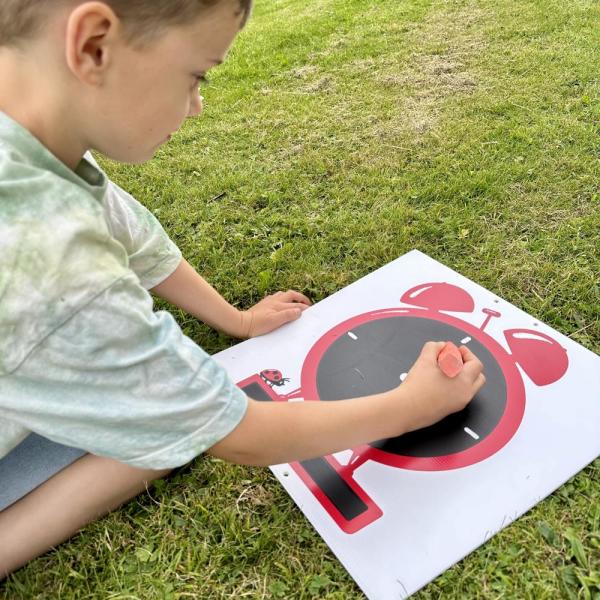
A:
[85,490]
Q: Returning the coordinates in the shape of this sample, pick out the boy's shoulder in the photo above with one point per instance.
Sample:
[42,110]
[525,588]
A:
[56,253]
[33,180]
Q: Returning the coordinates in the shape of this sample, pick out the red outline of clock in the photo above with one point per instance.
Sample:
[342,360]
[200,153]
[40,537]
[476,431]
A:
[332,482]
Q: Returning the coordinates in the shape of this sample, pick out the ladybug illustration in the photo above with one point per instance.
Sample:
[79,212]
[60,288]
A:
[273,377]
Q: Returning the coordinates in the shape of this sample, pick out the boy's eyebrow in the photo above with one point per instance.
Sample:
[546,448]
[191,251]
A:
[217,61]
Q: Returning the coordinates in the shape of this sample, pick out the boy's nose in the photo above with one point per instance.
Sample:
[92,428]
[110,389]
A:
[195,105]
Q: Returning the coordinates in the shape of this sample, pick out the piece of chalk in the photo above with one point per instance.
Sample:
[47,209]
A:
[450,360]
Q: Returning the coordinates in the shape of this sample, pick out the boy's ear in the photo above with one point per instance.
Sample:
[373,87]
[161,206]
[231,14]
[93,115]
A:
[90,37]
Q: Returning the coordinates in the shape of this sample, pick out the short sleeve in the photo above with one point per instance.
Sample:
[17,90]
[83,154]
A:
[122,381]
[153,256]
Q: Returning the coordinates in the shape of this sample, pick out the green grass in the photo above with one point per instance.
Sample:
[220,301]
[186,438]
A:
[341,134]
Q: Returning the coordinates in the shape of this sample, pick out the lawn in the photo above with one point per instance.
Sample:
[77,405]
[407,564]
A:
[339,135]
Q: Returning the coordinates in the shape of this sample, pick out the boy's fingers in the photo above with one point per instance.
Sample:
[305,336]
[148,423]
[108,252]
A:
[281,317]
[479,382]
[294,305]
[289,314]
[466,354]
[473,367]
[294,296]
[431,350]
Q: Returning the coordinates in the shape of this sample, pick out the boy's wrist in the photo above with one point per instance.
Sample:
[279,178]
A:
[397,412]
[243,329]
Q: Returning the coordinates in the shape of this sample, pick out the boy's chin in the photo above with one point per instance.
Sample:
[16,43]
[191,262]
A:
[131,158]
[139,160]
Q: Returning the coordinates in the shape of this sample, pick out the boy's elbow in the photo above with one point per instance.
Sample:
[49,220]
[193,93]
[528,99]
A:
[251,443]
[240,456]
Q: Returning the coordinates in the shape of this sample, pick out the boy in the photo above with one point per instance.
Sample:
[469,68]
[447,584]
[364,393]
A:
[84,361]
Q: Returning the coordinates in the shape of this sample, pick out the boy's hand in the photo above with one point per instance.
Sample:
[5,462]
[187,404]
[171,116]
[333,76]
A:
[272,312]
[429,395]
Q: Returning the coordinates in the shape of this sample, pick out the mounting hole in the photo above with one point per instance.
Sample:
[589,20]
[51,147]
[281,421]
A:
[286,473]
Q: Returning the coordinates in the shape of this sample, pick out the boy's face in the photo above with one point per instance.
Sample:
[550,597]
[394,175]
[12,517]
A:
[147,93]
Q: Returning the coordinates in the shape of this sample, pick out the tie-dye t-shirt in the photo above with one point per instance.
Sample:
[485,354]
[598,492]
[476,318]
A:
[84,359]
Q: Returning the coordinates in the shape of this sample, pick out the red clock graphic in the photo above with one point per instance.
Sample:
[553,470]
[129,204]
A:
[372,352]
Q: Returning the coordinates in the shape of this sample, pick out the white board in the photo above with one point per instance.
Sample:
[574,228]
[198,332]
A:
[399,513]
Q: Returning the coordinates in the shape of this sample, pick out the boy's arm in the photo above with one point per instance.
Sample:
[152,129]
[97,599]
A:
[189,291]
[280,432]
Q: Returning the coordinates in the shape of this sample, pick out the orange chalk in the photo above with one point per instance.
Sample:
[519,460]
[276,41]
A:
[450,360]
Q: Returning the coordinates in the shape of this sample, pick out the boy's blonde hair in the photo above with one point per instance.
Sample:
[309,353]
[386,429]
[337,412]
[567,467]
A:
[22,19]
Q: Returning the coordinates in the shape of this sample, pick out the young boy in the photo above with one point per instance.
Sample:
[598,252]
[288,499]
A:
[84,361]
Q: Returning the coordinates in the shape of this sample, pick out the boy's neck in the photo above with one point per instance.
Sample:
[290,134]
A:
[29,97]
